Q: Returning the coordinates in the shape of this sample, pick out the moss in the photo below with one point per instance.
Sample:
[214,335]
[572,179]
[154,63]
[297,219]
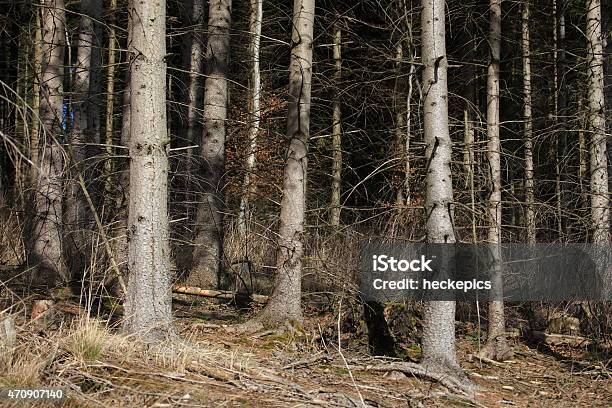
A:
[340,371]
[413,351]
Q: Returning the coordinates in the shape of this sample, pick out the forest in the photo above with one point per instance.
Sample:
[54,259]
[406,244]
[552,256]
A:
[192,194]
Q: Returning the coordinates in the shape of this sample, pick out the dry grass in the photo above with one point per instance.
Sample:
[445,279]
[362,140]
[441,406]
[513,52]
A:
[23,371]
[89,340]
[102,367]
[210,367]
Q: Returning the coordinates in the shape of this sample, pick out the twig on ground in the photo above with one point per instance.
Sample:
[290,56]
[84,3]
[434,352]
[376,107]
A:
[486,360]
[306,362]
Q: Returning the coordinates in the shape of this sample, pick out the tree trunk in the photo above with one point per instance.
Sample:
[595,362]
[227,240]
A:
[37,68]
[285,301]
[84,134]
[403,196]
[439,326]
[406,191]
[336,130]
[21,89]
[195,14]
[582,156]
[558,111]
[122,194]
[403,118]
[148,300]
[110,99]
[606,29]
[530,220]
[600,206]
[46,252]
[398,104]
[468,163]
[254,115]
[121,233]
[496,347]
[207,254]
[470,111]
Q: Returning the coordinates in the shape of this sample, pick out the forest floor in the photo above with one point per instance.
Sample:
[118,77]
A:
[215,367]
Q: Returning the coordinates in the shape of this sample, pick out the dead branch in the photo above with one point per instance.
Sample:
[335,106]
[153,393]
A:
[557,339]
[486,360]
[217,294]
[306,362]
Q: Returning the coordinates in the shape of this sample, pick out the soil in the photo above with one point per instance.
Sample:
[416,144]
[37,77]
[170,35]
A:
[302,367]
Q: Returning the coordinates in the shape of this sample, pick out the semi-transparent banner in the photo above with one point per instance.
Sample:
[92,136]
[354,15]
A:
[394,271]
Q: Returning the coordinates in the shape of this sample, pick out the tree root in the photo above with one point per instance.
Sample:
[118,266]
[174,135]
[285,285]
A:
[497,351]
[456,382]
[248,327]
[257,324]
[485,360]
[267,319]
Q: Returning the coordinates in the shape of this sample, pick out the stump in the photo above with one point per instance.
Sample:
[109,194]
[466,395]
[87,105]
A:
[8,339]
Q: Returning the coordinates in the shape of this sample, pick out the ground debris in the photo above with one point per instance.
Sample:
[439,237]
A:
[215,367]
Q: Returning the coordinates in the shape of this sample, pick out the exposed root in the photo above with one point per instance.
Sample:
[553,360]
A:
[154,337]
[248,327]
[497,350]
[456,382]
[486,360]
[257,325]
[272,319]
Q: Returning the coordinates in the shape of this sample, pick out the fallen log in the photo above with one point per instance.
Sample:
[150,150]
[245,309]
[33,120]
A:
[217,294]
[558,339]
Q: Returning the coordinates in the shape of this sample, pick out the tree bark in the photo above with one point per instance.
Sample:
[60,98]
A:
[582,156]
[122,195]
[195,14]
[336,130]
[404,125]
[37,68]
[530,220]
[496,346]
[46,247]
[84,134]
[400,124]
[207,254]
[558,110]
[470,111]
[285,301]
[600,206]
[254,114]
[21,127]
[468,163]
[110,99]
[148,299]
[439,326]
[406,191]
